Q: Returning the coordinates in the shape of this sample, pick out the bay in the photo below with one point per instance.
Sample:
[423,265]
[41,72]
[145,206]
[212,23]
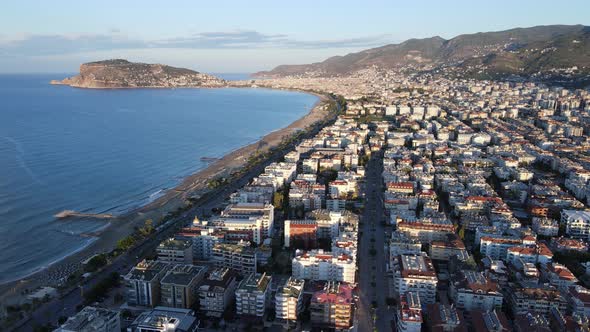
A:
[109,151]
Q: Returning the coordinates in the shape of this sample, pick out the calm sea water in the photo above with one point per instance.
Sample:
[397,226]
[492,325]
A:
[109,151]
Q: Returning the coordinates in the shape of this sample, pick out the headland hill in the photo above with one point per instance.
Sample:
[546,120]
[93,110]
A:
[120,73]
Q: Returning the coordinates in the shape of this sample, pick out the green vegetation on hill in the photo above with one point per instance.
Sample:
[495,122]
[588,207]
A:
[538,52]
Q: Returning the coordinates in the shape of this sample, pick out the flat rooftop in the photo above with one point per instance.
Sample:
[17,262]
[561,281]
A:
[182,274]
[416,263]
[88,319]
[255,282]
[178,319]
[146,270]
[174,244]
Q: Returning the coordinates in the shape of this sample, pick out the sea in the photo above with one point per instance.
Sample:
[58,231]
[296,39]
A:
[110,151]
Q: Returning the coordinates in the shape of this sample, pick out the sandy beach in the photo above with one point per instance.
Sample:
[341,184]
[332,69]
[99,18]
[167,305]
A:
[121,226]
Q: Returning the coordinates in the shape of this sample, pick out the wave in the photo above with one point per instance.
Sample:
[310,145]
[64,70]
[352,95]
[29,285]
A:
[155,195]
[20,152]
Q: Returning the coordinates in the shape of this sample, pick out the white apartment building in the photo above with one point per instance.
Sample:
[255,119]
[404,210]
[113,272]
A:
[409,314]
[345,244]
[341,188]
[251,226]
[93,319]
[538,300]
[427,230]
[175,251]
[289,299]
[545,226]
[559,276]
[203,245]
[328,223]
[497,247]
[473,291]
[260,216]
[165,319]
[578,298]
[203,239]
[238,257]
[415,273]
[533,254]
[320,265]
[335,204]
[401,243]
[577,223]
[253,194]
[252,295]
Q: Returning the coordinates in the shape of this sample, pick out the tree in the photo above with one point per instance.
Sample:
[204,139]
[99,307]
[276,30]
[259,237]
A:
[470,262]
[102,287]
[95,263]
[126,243]
[278,200]
[147,229]
[462,233]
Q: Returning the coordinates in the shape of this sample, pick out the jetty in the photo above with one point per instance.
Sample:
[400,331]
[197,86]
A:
[209,159]
[74,214]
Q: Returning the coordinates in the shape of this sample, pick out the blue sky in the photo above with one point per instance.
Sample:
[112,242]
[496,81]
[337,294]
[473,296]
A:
[244,36]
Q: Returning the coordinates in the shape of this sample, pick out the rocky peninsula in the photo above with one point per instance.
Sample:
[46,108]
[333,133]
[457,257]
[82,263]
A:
[119,73]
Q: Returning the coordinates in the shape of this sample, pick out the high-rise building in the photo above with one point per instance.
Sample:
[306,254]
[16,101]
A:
[239,257]
[415,273]
[289,300]
[175,251]
[203,239]
[333,306]
[409,313]
[320,265]
[91,319]
[472,290]
[178,288]
[217,291]
[577,223]
[252,295]
[143,283]
[255,216]
[164,319]
[445,317]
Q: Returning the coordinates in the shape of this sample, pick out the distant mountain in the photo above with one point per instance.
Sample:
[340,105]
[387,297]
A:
[119,73]
[520,51]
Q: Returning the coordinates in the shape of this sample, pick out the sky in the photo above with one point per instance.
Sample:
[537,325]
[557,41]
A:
[244,36]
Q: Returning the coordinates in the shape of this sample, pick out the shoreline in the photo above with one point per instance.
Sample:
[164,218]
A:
[171,199]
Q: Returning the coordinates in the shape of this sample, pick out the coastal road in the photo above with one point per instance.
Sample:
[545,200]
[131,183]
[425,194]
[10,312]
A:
[372,311]
[67,304]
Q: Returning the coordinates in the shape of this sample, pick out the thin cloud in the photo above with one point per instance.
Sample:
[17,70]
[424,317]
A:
[43,45]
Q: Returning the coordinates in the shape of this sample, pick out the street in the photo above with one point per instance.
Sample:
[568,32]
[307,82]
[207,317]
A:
[372,274]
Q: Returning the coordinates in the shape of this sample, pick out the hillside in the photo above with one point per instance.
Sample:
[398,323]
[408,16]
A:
[527,52]
[120,73]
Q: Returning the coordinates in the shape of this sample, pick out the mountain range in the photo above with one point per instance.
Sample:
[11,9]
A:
[541,52]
